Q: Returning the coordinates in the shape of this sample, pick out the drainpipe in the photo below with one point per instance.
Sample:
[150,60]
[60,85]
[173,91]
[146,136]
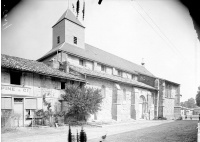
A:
[57,55]
[85,79]
[147,103]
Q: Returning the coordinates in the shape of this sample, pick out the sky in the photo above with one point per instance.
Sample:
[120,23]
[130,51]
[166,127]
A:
[160,32]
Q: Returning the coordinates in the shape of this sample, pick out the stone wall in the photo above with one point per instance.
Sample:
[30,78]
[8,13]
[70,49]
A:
[177,112]
[58,30]
[72,30]
[168,109]
[122,103]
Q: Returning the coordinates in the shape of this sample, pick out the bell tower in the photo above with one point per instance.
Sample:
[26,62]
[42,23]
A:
[68,29]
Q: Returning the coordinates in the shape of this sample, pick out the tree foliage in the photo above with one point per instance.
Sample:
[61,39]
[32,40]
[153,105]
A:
[190,103]
[82,101]
[198,97]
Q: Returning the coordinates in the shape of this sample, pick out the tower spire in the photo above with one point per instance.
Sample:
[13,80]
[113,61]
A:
[68,4]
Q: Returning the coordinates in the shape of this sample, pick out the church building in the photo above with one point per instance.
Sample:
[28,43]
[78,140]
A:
[130,91]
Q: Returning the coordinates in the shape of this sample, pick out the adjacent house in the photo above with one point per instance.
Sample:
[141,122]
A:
[24,84]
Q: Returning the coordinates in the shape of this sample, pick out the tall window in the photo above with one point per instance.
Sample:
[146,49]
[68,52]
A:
[58,39]
[75,40]
[103,91]
[124,95]
[15,78]
[103,68]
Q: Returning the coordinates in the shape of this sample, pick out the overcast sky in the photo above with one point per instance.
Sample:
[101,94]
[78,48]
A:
[160,31]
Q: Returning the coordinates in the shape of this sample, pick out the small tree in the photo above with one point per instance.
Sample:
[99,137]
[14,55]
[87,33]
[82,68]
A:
[198,97]
[82,101]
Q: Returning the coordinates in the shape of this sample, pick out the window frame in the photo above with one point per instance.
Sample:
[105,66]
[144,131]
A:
[58,39]
[75,40]
[119,73]
[15,78]
[103,68]
[62,84]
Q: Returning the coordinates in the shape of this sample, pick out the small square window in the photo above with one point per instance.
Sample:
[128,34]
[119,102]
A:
[119,73]
[58,39]
[62,85]
[134,77]
[18,100]
[81,62]
[75,40]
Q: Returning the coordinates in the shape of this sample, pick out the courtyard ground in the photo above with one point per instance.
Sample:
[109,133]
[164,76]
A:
[177,131]
[139,131]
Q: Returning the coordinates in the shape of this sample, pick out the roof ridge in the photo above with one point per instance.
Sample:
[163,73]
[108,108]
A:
[93,53]
[118,57]
[112,54]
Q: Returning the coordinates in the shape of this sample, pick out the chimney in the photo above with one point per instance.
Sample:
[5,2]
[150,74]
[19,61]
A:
[66,66]
[54,63]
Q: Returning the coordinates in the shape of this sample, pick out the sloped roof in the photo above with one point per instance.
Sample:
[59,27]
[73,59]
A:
[98,55]
[21,64]
[69,16]
[111,77]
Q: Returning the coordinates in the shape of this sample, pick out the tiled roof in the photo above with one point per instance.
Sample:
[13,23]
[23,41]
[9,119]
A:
[17,63]
[110,77]
[69,16]
[98,55]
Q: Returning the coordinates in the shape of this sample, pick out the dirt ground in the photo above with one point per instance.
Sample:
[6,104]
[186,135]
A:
[138,131]
[177,131]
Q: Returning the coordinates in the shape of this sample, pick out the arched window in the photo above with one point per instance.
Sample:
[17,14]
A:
[103,91]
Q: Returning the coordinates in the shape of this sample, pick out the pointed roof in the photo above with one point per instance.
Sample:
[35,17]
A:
[68,14]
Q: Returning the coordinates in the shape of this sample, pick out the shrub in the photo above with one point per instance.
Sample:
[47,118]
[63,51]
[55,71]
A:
[82,101]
